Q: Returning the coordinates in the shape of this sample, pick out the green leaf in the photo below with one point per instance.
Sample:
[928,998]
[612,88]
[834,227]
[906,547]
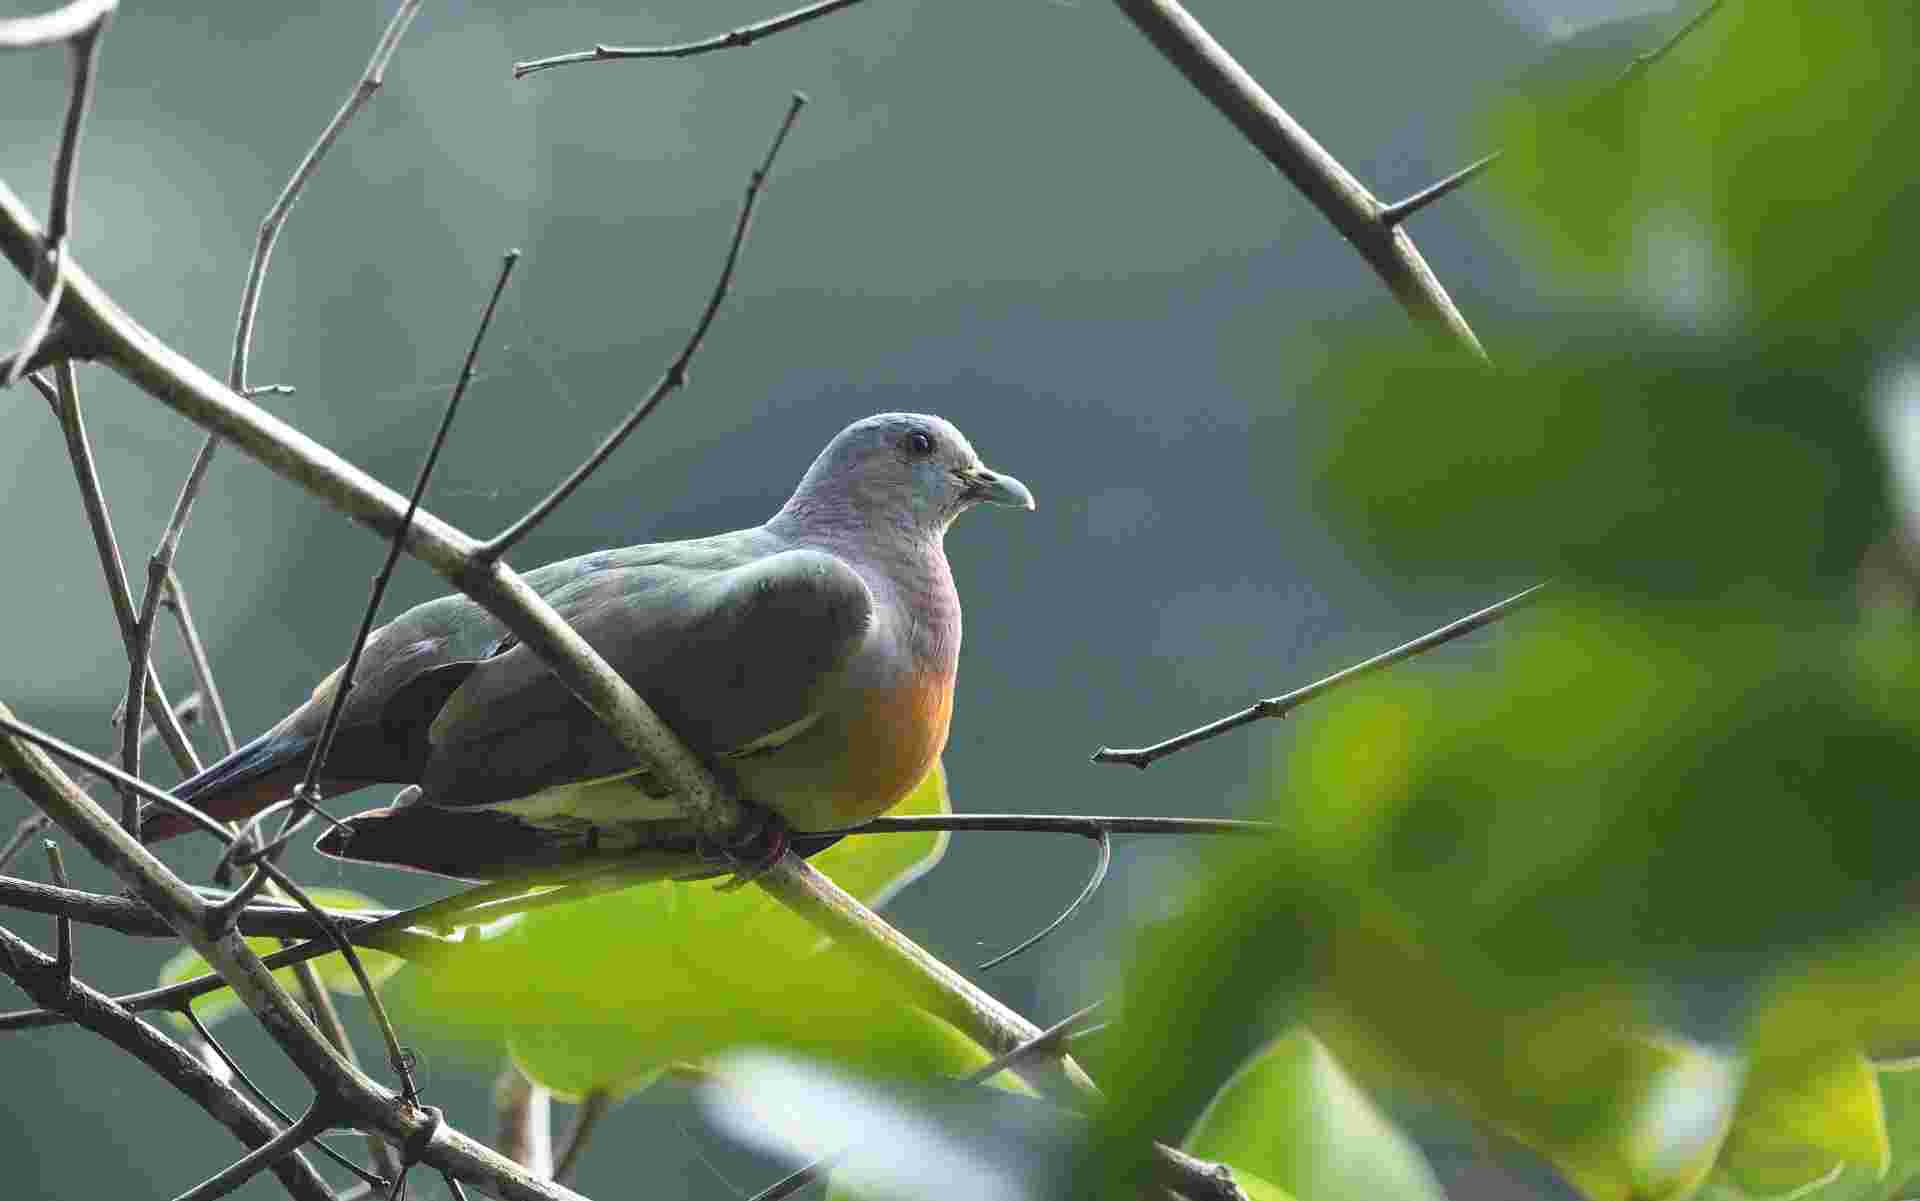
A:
[187,964]
[1801,1118]
[1294,1117]
[600,993]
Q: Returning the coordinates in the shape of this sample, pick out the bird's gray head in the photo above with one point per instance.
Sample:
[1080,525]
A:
[900,469]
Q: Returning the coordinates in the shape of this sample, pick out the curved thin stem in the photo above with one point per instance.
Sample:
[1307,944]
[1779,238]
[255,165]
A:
[1105,861]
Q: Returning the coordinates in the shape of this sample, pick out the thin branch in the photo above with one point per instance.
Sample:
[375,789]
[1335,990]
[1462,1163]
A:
[164,1057]
[24,833]
[12,725]
[187,712]
[744,36]
[1393,214]
[1332,189]
[1084,825]
[282,1145]
[33,352]
[285,920]
[593,1107]
[84,47]
[268,234]
[324,744]
[523,1122]
[63,925]
[270,225]
[64,395]
[363,1101]
[175,600]
[169,377]
[930,982]
[1641,62]
[676,373]
[1100,866]
[1280,706]
[139,663]
[61,25]
[1044,1043]
[205,1034]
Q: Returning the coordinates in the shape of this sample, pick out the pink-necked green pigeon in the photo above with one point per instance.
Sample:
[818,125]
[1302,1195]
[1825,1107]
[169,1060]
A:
[809,661]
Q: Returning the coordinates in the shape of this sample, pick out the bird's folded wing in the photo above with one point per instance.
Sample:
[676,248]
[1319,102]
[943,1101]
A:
[727,655]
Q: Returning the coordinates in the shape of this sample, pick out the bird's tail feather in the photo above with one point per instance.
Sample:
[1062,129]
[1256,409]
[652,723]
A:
[253,777]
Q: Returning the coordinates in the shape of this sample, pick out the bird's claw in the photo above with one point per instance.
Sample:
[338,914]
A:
[756,854]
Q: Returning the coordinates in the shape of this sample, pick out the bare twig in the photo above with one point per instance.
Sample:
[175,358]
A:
[23,834]
[1641,62]
[593,1107]
[175,600]
[523,1123]
[94,1011]
[114,776]
[1332,189]
[139,663]
[1280,706]
[744,36]
[163,373]
[324,744]
[1083,825]
[1100,866]
[61,25]
[1393,214]
[369,82]
[63,925]
[359,1099]
[676,373]
[268,234]
[282,1145]
[64,395]
[268,919]
[239,1073]
[84,48]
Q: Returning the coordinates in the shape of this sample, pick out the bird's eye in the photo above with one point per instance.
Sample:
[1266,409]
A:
[920,444]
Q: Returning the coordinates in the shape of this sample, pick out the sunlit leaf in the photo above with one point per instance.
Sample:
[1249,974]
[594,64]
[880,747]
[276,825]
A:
[600,993]
[332,969]
[1800,1118]
[1292,1116]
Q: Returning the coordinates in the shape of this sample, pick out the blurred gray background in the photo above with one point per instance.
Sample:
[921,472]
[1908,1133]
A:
[1011,213]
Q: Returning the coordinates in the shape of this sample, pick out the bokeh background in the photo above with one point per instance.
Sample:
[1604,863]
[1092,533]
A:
[1013,214]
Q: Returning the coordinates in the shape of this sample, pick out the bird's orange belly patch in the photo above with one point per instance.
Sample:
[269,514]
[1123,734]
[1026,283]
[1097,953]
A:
[892,742]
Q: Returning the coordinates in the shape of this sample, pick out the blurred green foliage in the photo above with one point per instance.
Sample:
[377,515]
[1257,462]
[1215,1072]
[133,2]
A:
[332,970]
[601,994]
[1689,774]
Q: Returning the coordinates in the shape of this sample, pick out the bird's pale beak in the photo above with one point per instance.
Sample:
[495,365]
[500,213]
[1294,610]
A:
[996,489]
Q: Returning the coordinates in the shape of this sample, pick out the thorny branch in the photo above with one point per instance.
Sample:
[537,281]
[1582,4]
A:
[746,35]
[1341,198]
